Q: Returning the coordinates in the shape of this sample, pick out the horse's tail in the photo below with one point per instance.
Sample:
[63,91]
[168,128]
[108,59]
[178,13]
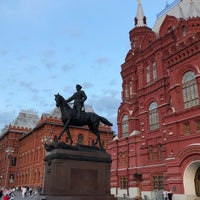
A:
[105,121]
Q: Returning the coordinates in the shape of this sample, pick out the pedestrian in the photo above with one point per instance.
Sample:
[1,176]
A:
[23,192]
[165,194]
[170,194]
[5,191]
[11,196]
[6,197]
[39,190]
[1,193]
[30,191]
[27,190]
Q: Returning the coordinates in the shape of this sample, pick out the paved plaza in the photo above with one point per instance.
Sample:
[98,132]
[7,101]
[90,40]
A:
[18,196]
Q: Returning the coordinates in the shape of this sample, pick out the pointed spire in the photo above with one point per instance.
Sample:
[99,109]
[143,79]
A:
[140,19]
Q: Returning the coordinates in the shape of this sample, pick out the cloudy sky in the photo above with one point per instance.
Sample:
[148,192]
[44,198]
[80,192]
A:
[48,46]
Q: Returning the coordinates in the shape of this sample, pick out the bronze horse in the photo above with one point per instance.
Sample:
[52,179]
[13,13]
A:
[69,117]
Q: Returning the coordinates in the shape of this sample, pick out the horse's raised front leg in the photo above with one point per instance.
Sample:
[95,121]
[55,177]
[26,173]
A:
[69,136]
[99,140]
[66,125]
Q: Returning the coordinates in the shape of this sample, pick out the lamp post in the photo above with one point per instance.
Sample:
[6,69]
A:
[9,152]
[1,177]
[47,139]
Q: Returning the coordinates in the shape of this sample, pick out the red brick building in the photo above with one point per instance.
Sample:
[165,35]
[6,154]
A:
[22,146]
[158,142]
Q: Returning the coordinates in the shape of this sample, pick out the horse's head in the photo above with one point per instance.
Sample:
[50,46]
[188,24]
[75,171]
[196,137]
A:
[59,100]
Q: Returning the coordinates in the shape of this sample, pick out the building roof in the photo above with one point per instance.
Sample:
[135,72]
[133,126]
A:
[26,119]
[180,9]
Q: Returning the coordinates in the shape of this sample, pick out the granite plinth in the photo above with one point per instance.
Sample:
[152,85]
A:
[77,174]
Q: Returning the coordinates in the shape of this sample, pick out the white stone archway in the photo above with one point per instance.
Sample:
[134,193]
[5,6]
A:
[188,178]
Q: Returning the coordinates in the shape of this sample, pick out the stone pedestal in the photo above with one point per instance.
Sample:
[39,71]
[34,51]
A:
[77,174]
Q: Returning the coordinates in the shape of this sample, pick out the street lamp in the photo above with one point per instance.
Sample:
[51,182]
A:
[47,139]
[9,152]
[1,177]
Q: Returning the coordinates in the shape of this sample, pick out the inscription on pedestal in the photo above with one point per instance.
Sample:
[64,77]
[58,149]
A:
[85,179]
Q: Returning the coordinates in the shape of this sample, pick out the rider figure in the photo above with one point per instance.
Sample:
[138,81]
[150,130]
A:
[79,98]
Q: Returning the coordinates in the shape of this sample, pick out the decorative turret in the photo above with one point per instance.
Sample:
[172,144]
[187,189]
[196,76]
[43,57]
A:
[140,19]
[137,34]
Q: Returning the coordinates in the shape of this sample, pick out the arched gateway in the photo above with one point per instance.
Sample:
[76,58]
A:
[191,179]
[188,161]
[197,182]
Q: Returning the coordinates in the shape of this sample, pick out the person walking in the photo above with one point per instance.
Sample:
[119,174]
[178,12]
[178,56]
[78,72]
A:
[23,192]
[165,194]
[30,191]
[6,197]
[170,194]
[1,193]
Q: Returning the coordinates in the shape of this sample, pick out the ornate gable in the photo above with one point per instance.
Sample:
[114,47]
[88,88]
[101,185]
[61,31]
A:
[150,36]
[168,24]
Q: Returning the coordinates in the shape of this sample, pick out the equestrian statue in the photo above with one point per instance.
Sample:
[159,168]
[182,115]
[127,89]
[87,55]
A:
[77,117]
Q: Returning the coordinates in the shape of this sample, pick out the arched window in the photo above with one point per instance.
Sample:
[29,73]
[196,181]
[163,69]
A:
[80,139]
[154,71]
[126,91]
[125,128]
[184,31]
[190,91]
[131,89]
[170,29]
[153,116]
[151,152]
[55,138]
[133,44]
[148,75]
[160,155]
